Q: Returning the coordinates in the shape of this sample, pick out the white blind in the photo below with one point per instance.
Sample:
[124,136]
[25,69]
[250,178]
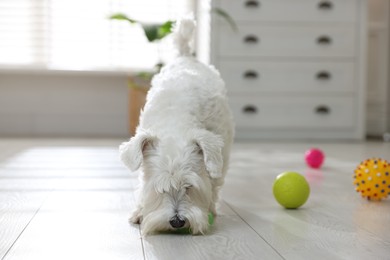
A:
[77,34]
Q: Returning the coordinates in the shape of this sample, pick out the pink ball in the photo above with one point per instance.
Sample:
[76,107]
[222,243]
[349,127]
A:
[314,158]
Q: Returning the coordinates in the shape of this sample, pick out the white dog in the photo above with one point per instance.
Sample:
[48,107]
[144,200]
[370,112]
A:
[182,143]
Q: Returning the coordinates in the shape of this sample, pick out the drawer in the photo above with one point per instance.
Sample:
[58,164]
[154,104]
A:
[291,10]
[284,77]
[287,41]
[294,112]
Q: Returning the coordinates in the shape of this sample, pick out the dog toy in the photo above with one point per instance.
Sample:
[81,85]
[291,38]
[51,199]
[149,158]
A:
[187,230]
[291,190]
[314,158]
[372,179]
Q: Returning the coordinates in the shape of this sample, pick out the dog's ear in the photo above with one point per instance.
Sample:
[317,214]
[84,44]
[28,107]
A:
[132,152]
[211,146]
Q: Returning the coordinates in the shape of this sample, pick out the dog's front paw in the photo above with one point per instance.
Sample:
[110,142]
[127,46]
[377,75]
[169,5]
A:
[136,217]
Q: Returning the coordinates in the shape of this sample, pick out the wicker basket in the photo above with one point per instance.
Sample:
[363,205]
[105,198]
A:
[138,88]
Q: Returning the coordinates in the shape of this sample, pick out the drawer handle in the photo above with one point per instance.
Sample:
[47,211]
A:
[251,39]
[252,4]
[323,75]
[322,110]
[325,5]
[324,40]
[249,109]
[250,74]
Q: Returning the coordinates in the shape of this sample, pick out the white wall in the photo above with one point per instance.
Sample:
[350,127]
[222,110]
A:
[63,104]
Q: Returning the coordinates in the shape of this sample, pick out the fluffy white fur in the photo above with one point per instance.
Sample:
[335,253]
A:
[182,143]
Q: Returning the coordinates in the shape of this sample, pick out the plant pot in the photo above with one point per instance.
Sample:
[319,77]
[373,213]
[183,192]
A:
[138,88]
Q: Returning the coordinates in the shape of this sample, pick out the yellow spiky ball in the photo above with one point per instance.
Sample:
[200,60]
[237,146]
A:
[372,179]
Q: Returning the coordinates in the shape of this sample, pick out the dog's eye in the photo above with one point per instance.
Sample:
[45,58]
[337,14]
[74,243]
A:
[188,187]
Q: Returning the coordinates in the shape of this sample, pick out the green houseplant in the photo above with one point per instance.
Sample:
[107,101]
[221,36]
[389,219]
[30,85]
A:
[140,83]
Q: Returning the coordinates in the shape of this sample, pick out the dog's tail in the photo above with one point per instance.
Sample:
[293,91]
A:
[183,35]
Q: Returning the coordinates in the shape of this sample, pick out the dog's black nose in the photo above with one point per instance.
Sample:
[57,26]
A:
[177,222]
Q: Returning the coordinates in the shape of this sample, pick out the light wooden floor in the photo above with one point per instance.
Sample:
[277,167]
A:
[70,199]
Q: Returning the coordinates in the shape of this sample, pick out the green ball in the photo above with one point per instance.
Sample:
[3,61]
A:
[211,218]
[291,190]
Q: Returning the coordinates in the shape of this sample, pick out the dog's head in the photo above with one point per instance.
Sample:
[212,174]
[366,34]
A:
[177,175]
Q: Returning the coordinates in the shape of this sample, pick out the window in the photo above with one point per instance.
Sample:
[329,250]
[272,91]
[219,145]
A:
[77,34]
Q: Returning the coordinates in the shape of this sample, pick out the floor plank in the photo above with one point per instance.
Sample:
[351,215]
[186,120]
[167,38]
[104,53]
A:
[81,225]
[89,198]
[17,209]
[230,238]
[65,158]
[49,184]
[301,234]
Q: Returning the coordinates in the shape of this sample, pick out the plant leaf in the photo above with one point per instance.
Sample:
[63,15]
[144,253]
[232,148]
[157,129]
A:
[156,32]
[165,29]
[226,16]
[151,31]
[122,17]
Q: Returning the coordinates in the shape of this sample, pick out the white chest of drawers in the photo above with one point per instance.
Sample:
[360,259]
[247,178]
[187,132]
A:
[293,69]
